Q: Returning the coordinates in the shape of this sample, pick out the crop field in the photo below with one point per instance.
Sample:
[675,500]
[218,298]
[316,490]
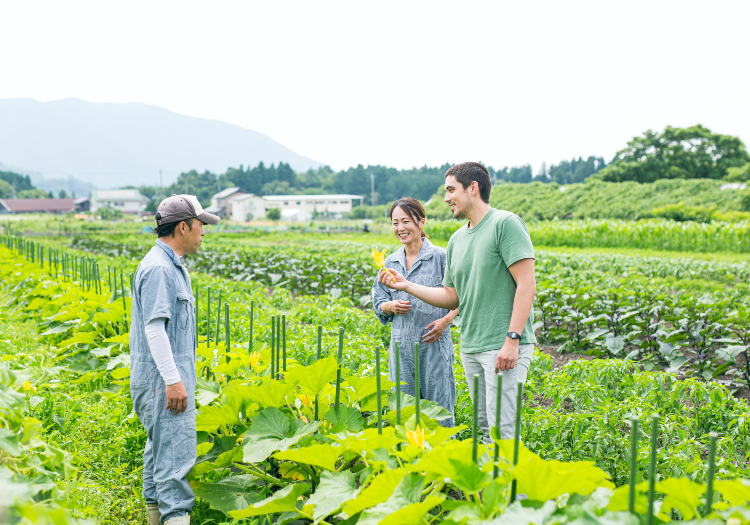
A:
[297,419]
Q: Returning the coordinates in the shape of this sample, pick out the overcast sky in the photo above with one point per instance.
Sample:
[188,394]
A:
[399,83]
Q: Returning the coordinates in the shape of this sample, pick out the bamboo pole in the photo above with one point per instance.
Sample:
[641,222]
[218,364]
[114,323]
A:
[475,420]
[517,436]
[378,391]
[498,419]
[633,462]
[652,467]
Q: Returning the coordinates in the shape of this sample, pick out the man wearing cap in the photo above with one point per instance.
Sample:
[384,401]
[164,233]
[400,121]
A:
[162,359]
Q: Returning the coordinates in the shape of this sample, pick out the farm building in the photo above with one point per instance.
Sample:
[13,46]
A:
[36,205]
[246,206]
[222,202]
[127,201]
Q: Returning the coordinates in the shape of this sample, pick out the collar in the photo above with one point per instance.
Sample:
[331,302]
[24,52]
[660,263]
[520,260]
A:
[176,259]
[425,252]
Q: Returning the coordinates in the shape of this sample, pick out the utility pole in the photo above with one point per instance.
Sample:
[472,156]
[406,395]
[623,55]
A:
[372,195]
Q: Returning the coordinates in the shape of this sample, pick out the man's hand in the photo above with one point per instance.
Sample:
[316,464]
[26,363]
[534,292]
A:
[399,284]
[176,398]
[507,356]
[397,307]
[438,327]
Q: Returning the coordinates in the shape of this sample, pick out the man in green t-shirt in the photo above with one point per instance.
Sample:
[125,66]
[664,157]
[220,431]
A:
[489,276]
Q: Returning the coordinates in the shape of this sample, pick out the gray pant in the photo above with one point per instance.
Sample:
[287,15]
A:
[171,442]
[483,363]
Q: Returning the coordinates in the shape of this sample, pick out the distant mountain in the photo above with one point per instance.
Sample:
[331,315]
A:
[113,145]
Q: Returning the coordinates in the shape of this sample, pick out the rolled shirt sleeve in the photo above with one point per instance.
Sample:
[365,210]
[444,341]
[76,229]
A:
[381,294]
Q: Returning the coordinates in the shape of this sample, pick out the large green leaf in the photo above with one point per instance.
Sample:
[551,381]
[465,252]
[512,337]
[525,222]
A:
[335,489]
[365,442]
[682,495]
[228,494]
[319,455]
[9,442]
[269,394]
[542,480]
[345,418]
[206,391]
[454,461]
[408,409]
[315,377]
[368,385]
[736,491]
[403,506]
[272,430]
[212,417]
[284,500]
[376,492]
[516,514]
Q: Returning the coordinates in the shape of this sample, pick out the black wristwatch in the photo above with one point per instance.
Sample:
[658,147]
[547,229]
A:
[514,335]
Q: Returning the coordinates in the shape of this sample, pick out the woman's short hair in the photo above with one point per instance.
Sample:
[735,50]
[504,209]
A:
[413,208]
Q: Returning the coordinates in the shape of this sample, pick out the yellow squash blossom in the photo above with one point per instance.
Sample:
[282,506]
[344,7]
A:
[254,359]
[380,260]
[416,437]
[27,386]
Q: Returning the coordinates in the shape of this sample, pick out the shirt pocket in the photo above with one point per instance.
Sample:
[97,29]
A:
[183,311]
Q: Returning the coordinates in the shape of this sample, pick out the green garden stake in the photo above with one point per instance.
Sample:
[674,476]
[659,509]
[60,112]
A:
[498,410]
[283,343]
[339,356]
[109,278]
[397,358]
[278,346]
[713,436]
[208,316]
[633,462]
[318,354]
[273,340]
[124,305]
[218,317]
[250,337]
[379,393]
[652,467]
[416,383]
[517,436]
[226,330]
[475,420]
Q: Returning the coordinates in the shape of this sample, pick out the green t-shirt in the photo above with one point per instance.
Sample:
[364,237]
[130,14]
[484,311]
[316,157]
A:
[477,267]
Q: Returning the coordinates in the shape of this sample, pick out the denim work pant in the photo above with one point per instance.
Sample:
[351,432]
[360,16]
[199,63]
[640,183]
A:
[483,363]
[170,450]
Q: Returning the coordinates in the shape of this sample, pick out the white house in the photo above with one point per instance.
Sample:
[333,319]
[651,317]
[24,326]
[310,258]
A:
[221,203]
[247,206]
[127,201]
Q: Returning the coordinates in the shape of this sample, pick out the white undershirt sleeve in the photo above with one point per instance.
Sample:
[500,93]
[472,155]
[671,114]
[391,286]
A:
[161,350]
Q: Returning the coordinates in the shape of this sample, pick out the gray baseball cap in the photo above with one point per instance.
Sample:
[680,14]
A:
[182,207]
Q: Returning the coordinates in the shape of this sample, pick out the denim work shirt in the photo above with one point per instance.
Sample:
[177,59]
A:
[436,380]
[162,289]
[428,270]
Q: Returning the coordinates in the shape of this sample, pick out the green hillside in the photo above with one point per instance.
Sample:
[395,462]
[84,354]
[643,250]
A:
[680,199]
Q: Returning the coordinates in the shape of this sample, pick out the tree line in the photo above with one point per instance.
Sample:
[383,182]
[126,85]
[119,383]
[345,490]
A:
[20,186]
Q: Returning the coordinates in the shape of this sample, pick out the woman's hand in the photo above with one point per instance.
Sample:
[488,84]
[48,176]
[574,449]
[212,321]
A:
[397,307]
[438,327]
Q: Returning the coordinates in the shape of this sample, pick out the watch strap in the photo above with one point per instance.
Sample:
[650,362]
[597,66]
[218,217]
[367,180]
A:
[514,335]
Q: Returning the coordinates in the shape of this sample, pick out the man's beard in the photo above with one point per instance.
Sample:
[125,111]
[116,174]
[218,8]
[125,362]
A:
[463,213]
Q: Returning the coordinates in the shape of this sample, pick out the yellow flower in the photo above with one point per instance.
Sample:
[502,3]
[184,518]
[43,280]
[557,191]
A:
[416,437]
[27,386]
[380,260]
[306,401]
[254,359]
[304,419]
